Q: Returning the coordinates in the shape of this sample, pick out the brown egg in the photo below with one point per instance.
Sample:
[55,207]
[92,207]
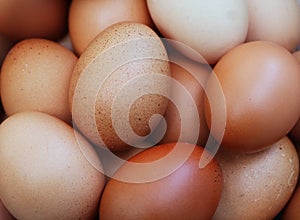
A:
[44,170]
[193,77]
[295,132]
[118,84]
[275,20]
[187,192]
[4,213]
[261,87]
[211,28]
[36,75]
[88,18]
[257,186]
[33,18]
[291,211]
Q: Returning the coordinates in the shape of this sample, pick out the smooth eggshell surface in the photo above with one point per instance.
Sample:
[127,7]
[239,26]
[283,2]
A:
[261,88]
[34,18]
[44,172]
[257,186]
[209,27]
[187,193]
[275,20]
[118,84]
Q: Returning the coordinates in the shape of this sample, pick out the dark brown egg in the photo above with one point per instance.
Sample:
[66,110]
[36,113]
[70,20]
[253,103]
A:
[33,18]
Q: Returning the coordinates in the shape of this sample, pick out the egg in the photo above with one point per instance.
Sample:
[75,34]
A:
[261,85]
[35,75]
[119,83]
[276,21]
[88,18]
[211,28]
[4,214]
[44,170]
[33,18]
[257,186]
[187,192]
[192,76]
[295,132]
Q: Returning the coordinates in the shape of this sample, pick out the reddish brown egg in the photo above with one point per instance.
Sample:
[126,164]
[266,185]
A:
[261,87]
[186,193]
[33,18]
[88,18]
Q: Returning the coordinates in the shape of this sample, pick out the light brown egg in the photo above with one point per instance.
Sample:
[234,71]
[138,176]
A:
[118,84]
[35,76]
[33,18]
[257,186]
[275,20]
[187,192]
[209,27]
[88,18]
[44,170]
[261,88]
[193,78]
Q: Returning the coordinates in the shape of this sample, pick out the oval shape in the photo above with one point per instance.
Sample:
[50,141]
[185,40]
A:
[35,76]
[199,24]
[261,86]
[44,174]
[257,186]
[118,83]
[187,193]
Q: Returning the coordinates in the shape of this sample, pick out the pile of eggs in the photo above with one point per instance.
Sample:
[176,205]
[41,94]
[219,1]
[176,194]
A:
[149,109]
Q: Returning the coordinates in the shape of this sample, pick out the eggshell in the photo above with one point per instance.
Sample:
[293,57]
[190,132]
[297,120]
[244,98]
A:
[257,186]
[88,18]
[44,173]
[193,77]
[187,193]
[291,211]
[295,132]
[36,75]
[4,213]
[275,20]
[210,27]
[261,88]
[33,18]
[118,84]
